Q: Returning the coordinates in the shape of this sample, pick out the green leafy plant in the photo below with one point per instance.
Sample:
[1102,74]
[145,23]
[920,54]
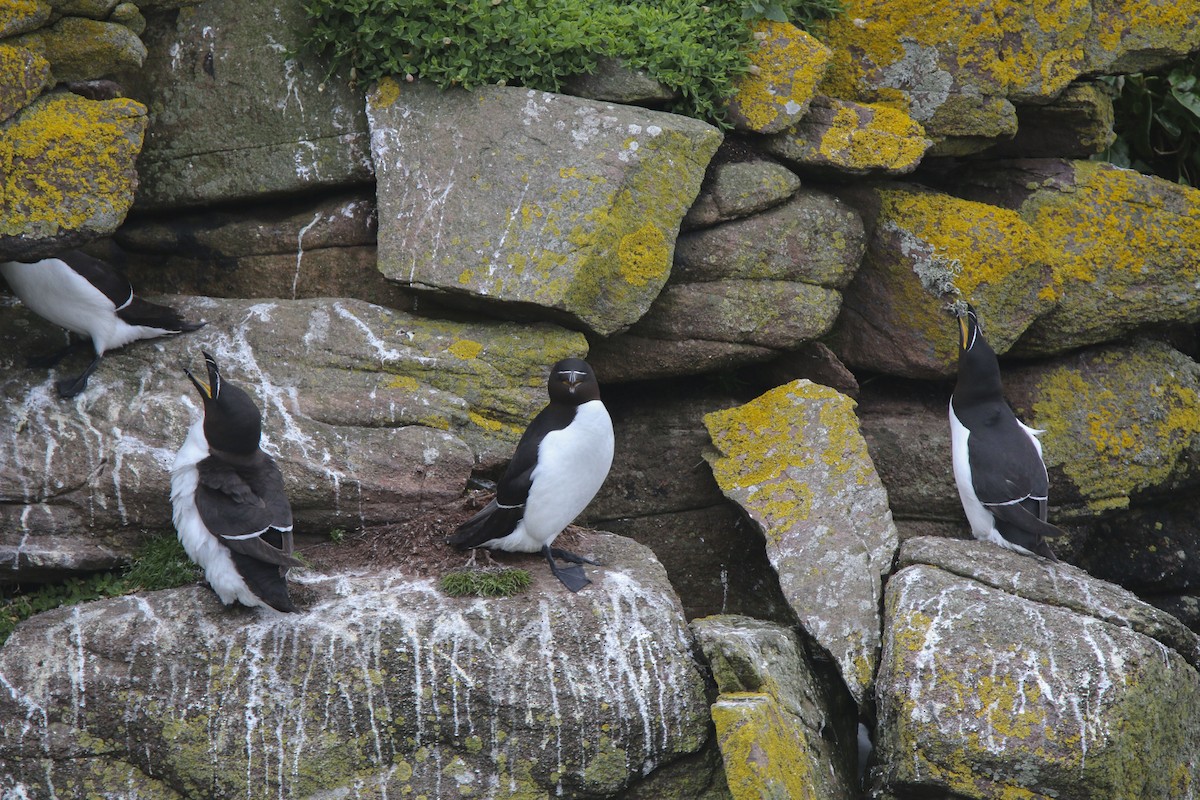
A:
[1158,122]
[159,563]
[485,582]
[337,535]
[696,49]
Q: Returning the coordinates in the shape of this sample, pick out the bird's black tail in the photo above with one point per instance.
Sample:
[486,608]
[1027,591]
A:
[152,315]
[493,522]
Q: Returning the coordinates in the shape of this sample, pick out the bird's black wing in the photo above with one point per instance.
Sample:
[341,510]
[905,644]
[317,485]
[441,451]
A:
[499,517]
[100,274]
[153,315]
[251,517]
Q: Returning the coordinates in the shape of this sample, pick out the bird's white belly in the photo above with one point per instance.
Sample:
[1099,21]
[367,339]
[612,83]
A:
[572,465]
[200,545]
[982,523]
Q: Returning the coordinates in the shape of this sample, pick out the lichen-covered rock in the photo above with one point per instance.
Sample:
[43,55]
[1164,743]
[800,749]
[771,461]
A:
[661,493]
[1119,421]
[70,174]
[926,249]
[736,189]
[21,16]
[786,66]
[80,49]
[304,248]
[380,687]
[23,76]
[779,728]
[216,136]
[923,57]
[745,291]
[840,137]
[1125,246]
[795,461]
[814,237]
[372,415]
[1078,124]
[614,82]
[1006,676]
[531,201]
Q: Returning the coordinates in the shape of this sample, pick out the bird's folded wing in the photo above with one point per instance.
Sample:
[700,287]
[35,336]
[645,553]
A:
[271,546]
[493,522]
[231,509]
[1020,517]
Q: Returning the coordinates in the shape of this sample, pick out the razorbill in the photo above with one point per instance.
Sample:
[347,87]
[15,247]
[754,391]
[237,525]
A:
[559,464]
[90,298]
[998,463]
[229,505]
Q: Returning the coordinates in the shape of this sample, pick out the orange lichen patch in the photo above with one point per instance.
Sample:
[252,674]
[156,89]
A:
[763,748]
[1142,25]
[68,163]
[23,75]
[466,349]
[788,66]
[873,136]
[22,15]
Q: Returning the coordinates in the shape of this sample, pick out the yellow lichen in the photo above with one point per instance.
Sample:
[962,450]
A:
[872,137]
[466,349]
[66,161]
[386,92]
[789,65]
[764,750]
[641,255]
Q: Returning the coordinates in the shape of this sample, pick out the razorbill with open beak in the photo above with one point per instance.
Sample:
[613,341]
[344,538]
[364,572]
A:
[998,463]
[230,509]
[90,298]
[559,464]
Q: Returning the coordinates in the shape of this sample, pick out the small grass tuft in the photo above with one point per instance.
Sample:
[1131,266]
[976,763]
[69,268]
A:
[485,582]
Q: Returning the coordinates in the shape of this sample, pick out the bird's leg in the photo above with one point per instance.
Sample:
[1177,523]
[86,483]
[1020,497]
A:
[50,359]
[572,557]
[471,560]
[572,577]
[69,387]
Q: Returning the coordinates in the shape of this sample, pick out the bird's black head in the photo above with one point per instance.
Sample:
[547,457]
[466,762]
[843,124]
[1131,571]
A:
[572,381]
[969,331]
[978,368]
[232,422]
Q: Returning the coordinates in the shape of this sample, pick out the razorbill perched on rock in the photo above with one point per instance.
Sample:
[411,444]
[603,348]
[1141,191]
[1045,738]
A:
[230,509]
[88,297]
[997,459]
[559,464]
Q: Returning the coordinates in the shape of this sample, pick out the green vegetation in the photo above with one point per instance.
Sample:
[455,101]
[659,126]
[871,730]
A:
[159,563]
[1158,122]
[697,50]
[486,582]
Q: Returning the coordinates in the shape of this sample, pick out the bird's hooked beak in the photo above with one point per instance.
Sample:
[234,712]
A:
[573,378]
[212,389]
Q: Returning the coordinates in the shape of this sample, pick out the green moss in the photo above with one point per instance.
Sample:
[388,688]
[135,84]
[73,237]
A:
[485,582]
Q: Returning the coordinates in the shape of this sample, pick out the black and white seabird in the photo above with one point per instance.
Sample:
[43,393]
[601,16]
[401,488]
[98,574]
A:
[90,298]
[230,509]
[998,463]
[559,464]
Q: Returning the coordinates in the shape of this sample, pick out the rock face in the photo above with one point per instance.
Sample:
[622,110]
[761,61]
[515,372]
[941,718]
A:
[925,250]
[216,136]
[1047,683]
[51,149]
[795,461]
[786,67]
[380,686]
[578,214]
[1133,268]
[781,731]
[371,413]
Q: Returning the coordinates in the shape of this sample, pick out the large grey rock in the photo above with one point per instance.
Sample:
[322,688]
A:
[795,461]
[380,686]
[1004,675]
[80,49]
[237,110]
[1123,245]
[322,248]
[926,249]
[782,732]
[614,82]
[744,291]
[736,189]
[69,173]
[532,203]
[372,414]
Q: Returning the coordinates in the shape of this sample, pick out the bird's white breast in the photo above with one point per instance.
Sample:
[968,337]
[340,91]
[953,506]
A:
[982,523]
[200,545]
[572,464]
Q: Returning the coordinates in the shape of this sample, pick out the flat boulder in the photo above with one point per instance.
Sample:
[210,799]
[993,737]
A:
[1006,675]
[796,463]
[372,414]
[530,203]
[380,685]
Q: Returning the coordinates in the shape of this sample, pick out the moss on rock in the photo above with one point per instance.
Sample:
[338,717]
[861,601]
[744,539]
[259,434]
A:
[82,49]
[786,67]
[23,75]
[765,757]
